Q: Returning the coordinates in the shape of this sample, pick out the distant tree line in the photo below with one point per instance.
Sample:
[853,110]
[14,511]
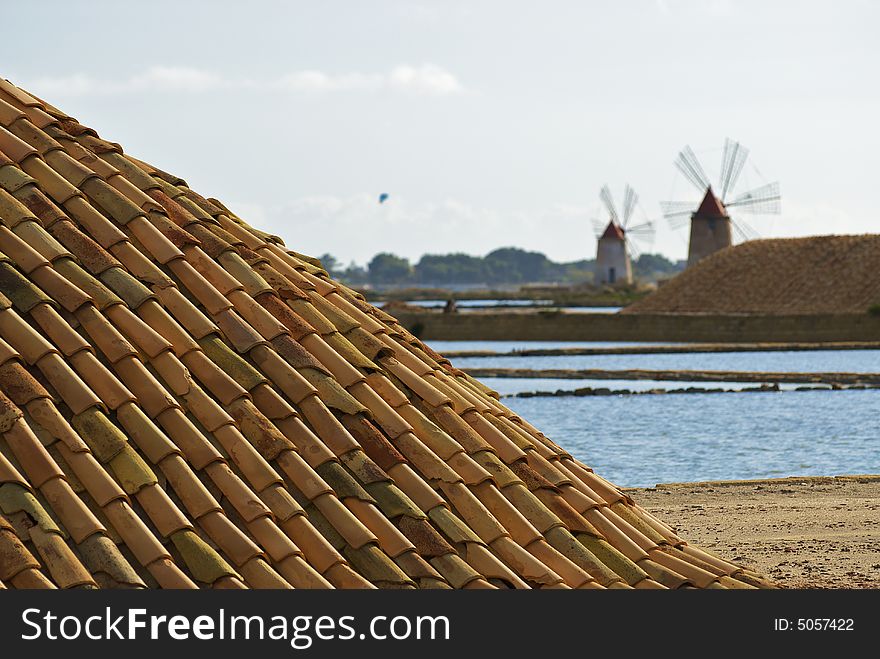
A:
[504,266]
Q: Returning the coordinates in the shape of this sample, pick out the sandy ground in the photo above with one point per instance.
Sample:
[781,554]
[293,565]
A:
[799,532]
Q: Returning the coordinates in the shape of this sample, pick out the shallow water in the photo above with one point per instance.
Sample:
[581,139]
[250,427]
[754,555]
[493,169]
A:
[855,361]
[509,346]
[439,304]
[639,441]
[591,309]
[508,386]
[644,440]
[466,306]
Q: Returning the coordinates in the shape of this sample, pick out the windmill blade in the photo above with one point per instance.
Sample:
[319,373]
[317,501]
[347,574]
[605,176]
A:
[598,227]
[634,252]
[729,148]
[673,209]
[642,231]
[732,161]
[677,213]
[608,200]
[630,199]
[744,230]
[738,232]
[676,223]
[688,165]
[642,235]
[763,200]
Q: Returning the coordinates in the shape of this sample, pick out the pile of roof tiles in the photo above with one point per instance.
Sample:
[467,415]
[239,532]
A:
[186,403]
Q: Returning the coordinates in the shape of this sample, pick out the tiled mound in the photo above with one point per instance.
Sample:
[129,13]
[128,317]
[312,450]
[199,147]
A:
[186,403]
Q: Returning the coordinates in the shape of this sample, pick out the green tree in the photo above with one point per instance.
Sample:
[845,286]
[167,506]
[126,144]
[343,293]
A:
[386,268]
[656,266]
[505,266]
[330,263]
[443,269]
[354,275]
[512,265]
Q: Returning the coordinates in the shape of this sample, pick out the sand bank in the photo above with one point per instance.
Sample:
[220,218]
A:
[801,532]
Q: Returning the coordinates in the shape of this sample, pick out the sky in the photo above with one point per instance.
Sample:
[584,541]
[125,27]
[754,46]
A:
[488,123]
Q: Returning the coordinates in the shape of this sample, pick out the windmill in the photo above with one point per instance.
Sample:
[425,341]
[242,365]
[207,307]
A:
[712,227]
[613,264]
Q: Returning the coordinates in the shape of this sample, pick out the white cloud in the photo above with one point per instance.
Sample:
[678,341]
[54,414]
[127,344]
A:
[157,78]
[357,227]
[318,81]
[711,7]
[426,79]
[173,78]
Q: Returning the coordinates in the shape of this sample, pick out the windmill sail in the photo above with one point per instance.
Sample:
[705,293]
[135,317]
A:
[619,224]
[744,230]
[634,252]
[688,165]
[765,199]
[617,247]
[732,161]
[677,213]
[645,229]
[712,227]
[630,199]
[641,234]
[674,208]
[608,200]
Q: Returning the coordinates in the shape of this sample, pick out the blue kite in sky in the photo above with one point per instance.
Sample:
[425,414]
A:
[383,197]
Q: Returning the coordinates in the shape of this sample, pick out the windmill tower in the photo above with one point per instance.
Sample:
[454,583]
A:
[712,227]
[613,263]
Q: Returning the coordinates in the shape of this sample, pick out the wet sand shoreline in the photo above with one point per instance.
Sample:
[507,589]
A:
[801,532]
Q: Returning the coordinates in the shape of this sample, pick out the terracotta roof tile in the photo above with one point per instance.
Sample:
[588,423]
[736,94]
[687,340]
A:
[18,566]
[185,402]
[37,138]
[16,181]
[18,94]
[13,148]
[33,457]
[9,114]
[193,444]
[106,564]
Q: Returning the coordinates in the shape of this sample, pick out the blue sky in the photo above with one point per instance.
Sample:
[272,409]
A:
[489,123]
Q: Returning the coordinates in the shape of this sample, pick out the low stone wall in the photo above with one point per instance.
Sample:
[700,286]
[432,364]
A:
[561,326]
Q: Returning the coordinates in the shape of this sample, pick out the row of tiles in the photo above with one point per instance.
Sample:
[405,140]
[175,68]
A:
[208,408]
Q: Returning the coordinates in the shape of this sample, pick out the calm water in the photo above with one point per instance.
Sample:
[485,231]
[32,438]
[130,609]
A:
[856,361]
[644,440]
[591,309]
[509,346]
[508,386]
[439,304]
[476,305]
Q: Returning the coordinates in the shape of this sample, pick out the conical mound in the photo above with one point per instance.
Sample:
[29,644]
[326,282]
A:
[776,276]
[187,403]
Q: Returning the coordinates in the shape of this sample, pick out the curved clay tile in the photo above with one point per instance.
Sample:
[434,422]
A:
[184,402]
